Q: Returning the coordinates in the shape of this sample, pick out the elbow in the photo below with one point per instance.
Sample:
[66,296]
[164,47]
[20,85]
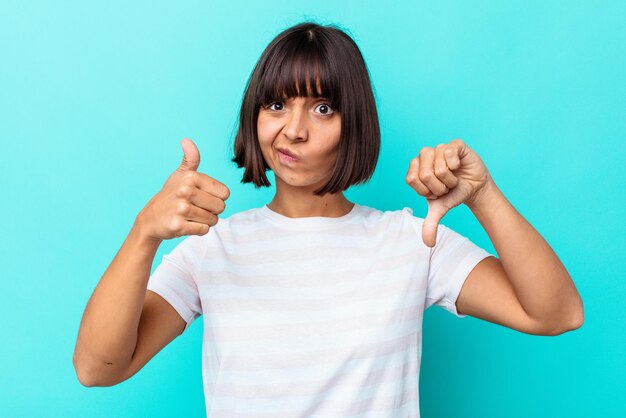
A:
[83,377]
[575,321]
[578,320]
[88,377]
[553,332]
[90,380]
[562,329]
[85,381]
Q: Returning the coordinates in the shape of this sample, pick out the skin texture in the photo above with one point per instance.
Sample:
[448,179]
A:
[527,288]
[311,129]
[124,325]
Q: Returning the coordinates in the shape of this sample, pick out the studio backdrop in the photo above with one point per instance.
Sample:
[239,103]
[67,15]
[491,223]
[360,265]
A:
[96,96]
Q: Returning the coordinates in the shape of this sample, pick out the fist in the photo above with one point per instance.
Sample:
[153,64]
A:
[447,175]
[188,203]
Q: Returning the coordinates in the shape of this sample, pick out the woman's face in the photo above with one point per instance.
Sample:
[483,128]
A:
[306,127]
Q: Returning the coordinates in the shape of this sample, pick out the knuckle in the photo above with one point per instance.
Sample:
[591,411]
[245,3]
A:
[426,151]
[425,175]
[422,190]
[189,176]
[440,170]
[201,229]
[176,225]
[184,190]
[182,207]
[220,191]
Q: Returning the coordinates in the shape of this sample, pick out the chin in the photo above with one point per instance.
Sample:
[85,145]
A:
[295,182]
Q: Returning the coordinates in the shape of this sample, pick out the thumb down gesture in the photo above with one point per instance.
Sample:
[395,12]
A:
[448,175]
[188,203]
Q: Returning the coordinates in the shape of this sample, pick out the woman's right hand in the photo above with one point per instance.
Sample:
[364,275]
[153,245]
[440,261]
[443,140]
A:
[188,203]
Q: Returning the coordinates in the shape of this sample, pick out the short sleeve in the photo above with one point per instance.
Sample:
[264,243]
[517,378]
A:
[451,260]
[174,279]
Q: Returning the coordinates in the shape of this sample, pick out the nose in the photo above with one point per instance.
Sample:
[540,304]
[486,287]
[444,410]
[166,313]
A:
[295,128]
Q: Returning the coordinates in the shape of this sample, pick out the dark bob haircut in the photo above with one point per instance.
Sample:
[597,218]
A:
[293,61]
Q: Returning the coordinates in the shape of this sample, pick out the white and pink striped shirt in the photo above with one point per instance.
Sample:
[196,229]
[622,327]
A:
[314,317]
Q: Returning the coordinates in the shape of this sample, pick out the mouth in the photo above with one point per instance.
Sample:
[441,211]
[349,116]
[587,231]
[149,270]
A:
[287,155]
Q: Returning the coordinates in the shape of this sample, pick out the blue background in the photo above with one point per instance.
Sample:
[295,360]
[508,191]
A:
[96,96]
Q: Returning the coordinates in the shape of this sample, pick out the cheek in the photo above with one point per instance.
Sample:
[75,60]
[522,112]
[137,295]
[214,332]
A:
[261,130]
[334,134]
[332,145]
[266,134]
[266,131]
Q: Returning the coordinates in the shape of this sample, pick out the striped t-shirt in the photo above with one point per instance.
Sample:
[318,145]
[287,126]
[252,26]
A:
[315,316]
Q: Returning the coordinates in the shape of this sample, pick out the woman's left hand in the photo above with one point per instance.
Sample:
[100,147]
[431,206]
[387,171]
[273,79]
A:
[447,175]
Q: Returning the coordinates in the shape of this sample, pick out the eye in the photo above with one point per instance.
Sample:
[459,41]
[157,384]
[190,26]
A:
[279,104]
[325,109]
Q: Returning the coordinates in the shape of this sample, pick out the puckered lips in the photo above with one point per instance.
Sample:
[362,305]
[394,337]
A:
[287,155]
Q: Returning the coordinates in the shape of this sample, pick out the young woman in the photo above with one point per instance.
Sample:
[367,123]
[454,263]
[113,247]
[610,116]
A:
[313,304]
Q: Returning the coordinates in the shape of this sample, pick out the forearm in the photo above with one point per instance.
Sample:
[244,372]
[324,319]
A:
[108,332]
[542,284]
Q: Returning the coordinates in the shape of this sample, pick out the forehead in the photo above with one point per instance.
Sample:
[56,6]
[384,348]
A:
[305,99]
[299,77]
[299,85]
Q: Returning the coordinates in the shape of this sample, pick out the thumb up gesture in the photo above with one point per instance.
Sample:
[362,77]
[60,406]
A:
[448,175]
[188,203]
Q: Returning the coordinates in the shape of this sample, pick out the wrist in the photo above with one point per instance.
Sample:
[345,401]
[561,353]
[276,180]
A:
[141,235]
[486,197]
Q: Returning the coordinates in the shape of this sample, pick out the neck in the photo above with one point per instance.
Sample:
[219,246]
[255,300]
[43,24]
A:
[299,202]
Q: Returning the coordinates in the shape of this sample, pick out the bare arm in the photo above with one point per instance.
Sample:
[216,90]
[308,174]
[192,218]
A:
[528,288]
[531,289]
[108,334]
[124,325]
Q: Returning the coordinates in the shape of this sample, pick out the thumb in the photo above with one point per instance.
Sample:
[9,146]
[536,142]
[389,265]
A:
[191,156]
[436,211]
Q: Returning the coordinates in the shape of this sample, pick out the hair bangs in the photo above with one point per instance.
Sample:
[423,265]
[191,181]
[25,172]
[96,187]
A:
[305,60]
[305,70]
